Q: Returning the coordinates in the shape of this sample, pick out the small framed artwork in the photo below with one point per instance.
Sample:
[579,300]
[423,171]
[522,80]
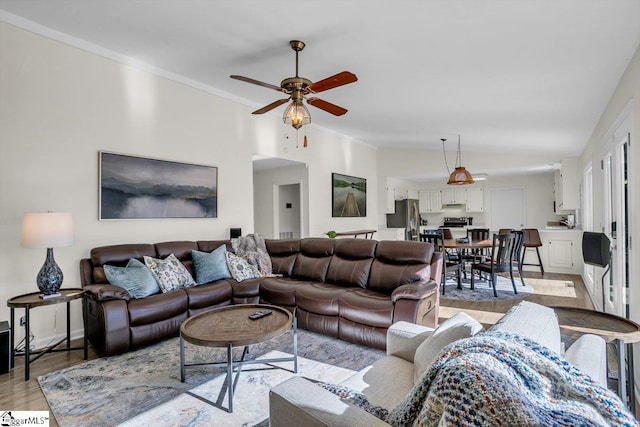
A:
[349,196]
[142,188]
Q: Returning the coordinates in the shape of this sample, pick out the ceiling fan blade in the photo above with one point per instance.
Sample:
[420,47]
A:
[339,79]
[327,106]
[257,82]
[271,106]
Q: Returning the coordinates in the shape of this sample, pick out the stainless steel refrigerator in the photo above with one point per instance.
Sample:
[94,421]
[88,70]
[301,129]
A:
[407,217]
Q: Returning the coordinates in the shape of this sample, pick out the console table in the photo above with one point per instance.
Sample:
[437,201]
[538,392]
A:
[613,329]
[33,300]
[368,234]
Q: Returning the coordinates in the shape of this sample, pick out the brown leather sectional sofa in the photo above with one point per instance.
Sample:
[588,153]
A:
[353,289]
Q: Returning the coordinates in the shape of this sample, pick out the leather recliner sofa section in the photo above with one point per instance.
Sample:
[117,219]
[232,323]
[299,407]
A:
[353,289]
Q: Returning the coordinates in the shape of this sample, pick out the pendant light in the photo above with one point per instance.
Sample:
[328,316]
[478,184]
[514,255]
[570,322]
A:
[460,175]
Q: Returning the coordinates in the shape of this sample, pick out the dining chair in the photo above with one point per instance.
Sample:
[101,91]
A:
[517,254]
[532,240]
[499,262]
[435,237]
[446,233]
[476,255]
[516,257]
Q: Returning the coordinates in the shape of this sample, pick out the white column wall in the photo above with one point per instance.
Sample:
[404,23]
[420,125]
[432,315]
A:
[60,105]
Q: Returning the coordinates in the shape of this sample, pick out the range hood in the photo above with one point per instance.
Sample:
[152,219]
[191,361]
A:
[453,206]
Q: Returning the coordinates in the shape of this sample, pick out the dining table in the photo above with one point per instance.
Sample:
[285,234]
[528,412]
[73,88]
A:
[466,247]
[470,244]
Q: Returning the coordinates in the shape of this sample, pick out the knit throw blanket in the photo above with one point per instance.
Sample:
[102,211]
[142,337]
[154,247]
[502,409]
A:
[498,378]
[253,250]
[501,379]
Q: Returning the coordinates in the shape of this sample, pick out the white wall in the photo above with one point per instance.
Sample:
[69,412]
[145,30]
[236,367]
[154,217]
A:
[265,193]
[539,191]
[411,165]
[290,216]
[60,105]
[539,201]
[627,91]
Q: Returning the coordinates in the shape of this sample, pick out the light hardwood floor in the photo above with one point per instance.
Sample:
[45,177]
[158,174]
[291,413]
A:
[16,394]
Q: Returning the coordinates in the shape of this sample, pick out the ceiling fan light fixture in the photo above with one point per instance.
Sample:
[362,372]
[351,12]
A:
[296,115]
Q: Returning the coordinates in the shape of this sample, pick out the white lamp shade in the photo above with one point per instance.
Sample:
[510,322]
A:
[47,229]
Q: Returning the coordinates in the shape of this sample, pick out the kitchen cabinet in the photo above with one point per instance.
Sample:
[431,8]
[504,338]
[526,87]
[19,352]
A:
[567,185]
[430,201]
[560,253]
[454,196]
[412,194]
[475,199]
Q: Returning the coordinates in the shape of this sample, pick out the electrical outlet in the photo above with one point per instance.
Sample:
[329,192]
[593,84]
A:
[23,321]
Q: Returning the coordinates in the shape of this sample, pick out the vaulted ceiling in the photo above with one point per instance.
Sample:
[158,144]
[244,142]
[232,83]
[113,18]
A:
[521,75]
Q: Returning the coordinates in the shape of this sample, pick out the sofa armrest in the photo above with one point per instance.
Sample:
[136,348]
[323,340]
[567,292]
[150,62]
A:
[533,321]
[403,338]
[415,290]
[589,354]
[106,292]
[300,402]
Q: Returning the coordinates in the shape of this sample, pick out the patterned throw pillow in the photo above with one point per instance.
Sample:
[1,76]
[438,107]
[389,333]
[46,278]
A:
[169,273]
[241,269]
[135,278]
[212,266]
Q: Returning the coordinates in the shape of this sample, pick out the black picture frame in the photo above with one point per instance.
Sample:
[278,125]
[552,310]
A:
[348,196]
[134,187]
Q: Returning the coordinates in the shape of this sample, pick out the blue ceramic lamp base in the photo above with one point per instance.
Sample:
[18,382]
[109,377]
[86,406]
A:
[50,277]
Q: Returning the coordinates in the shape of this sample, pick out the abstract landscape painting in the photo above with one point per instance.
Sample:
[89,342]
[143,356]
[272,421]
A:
[139,188]
[349,195]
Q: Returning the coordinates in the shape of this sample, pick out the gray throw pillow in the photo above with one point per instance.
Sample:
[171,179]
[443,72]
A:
[453,329]
[210,266]
[135,278]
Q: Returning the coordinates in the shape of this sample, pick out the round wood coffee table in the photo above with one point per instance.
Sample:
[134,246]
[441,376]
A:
[231,326]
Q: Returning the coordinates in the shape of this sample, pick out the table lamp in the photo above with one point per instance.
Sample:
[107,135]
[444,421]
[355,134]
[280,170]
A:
[48,230]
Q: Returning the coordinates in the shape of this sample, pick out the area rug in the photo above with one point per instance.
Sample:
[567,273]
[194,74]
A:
[111,390]
[206,404]
[483,290]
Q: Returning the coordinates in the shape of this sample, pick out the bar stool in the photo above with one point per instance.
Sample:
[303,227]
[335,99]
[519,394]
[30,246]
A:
[532,240]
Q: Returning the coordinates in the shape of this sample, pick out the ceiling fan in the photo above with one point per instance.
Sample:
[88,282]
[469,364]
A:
[297,88]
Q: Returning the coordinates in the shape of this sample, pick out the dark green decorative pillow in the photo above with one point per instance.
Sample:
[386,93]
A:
[135,278]
[210,266]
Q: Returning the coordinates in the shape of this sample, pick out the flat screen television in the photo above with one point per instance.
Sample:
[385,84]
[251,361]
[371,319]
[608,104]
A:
[595,249]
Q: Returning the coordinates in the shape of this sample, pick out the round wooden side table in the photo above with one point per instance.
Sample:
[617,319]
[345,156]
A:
[33,300]
[620,332]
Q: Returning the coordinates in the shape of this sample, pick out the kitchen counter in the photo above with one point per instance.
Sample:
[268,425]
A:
[561,250]
[552,229]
